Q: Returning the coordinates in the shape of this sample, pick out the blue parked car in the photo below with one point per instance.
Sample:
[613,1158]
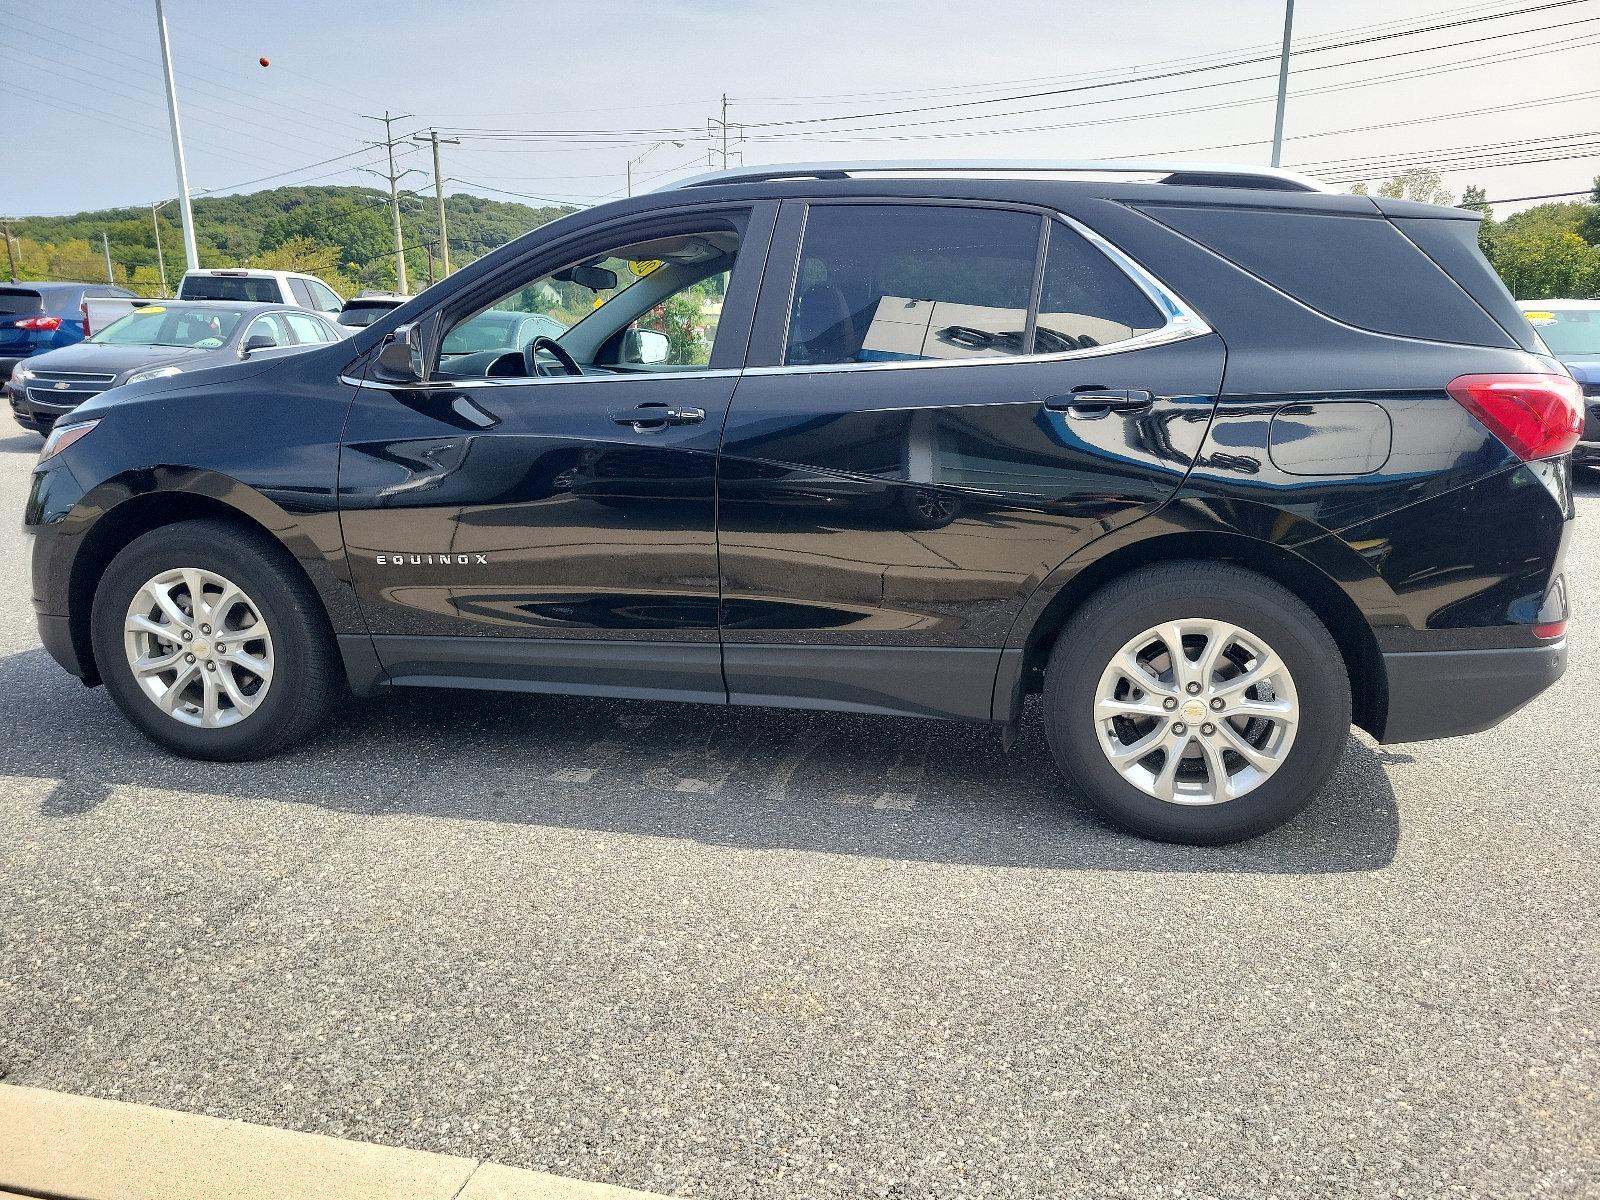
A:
[35,317]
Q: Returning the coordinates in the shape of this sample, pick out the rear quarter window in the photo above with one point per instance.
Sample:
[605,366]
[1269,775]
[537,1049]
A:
[1359,270]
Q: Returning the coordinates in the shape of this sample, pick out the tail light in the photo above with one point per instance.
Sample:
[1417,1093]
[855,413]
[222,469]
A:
[84,309]
[1536,416]
[39,323]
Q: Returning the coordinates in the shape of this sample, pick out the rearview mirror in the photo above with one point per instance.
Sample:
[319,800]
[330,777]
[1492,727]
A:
[401,358]
[257,341]
[647,347]
[596,279]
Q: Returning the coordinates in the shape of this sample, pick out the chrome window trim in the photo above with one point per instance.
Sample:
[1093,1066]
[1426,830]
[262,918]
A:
[1182,321]
[464,384]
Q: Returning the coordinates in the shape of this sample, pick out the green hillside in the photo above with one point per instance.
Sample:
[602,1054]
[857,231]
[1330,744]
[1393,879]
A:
[342,234]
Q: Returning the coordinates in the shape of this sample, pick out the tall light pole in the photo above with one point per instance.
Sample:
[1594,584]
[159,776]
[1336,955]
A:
[649,150]
[438,192]
[1283,83]
[191,255]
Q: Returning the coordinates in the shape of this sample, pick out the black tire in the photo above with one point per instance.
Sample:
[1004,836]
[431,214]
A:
[923,508]
[1118,613]
[307,676]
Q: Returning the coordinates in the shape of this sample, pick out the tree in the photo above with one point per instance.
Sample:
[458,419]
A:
[1420,184]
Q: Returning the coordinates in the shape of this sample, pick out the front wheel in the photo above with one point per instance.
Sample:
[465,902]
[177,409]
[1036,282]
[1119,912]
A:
[212,643]
[1197,703]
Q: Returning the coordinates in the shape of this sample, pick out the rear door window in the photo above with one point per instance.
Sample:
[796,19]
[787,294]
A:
[323,297]
[1087,300]
[308,331]
[908,283]
[302,293]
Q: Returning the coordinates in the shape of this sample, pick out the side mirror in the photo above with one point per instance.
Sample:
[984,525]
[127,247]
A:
[401,358]
[257,341]
[647,347]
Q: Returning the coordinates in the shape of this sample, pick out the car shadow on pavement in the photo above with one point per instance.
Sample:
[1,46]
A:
[832,783]
[21,443]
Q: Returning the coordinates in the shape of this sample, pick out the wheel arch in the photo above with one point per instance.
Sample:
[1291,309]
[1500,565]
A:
[128,509]
[1318,574]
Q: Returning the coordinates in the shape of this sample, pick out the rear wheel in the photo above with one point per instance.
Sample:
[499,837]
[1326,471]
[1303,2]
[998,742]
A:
[1197,703]
[211,642]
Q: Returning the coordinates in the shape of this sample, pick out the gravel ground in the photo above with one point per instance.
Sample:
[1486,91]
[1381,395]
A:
[728,953]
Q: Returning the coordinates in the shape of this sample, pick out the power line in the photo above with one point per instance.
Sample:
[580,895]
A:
[1186,71]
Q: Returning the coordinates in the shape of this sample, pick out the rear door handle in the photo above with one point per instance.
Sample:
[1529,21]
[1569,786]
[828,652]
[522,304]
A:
[1098,402]
[654,416]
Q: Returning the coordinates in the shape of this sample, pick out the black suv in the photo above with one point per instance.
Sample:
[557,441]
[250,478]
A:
[1216,460]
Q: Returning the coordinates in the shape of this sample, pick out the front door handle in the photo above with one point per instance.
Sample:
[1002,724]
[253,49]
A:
[654,416]
[1091,403]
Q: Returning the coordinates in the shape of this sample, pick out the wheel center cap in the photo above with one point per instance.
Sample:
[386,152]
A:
[1194,711]
[202,648]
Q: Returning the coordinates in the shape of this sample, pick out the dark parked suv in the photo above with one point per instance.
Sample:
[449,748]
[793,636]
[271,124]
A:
[1216,460]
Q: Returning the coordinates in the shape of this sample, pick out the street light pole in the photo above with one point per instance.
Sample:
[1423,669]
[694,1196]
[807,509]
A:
[191,255]
[1283,83]
[161,260]
[648,151]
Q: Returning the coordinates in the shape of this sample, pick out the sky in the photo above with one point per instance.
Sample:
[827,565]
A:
[552,101]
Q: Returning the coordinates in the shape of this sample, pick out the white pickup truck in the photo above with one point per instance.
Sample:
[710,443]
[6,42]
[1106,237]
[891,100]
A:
[262,287]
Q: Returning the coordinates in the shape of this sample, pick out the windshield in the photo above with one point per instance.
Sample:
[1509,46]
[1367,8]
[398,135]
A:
[1568,331]
[199,328]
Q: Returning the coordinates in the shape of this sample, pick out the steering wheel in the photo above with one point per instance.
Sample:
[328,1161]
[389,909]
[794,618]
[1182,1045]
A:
[542,342]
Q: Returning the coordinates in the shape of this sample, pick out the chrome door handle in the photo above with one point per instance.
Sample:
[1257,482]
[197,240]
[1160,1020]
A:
[1098,402]
[651,418]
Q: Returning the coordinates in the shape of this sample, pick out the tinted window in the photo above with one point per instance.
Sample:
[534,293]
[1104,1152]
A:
[881,283]
[359,316]
[1358,270]
[1087,300]
[308,331]
[324,297]
[229,287]
[17,300]
[302,293]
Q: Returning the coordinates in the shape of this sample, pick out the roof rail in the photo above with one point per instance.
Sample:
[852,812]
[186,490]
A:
[1132,171]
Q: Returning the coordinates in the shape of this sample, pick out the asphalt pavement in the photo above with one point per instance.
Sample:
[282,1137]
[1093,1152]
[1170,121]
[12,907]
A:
[735,953]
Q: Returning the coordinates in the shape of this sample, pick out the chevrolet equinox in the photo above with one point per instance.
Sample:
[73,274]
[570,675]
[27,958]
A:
[1216,460]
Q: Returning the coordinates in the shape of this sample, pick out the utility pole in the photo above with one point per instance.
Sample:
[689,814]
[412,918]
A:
[11,254]
[438,193]
[161,260]
[190,254]
[388,142]
[715,127]
[1283,83]
[105,244]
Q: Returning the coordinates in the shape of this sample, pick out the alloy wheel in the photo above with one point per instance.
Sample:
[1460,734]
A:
[198,647]
[1196,712]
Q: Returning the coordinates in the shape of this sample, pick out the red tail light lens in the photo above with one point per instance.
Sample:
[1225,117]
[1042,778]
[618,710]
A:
[39,323]
[1536,416]
[84,309]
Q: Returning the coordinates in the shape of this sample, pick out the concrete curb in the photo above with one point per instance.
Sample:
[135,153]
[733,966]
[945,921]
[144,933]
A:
[55,1145]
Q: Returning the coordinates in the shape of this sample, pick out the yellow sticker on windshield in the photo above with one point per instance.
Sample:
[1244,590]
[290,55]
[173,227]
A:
[643,267]
[151,308]
[1541,318]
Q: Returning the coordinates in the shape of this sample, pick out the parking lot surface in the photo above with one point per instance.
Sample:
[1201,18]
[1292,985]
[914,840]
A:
[726,953]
